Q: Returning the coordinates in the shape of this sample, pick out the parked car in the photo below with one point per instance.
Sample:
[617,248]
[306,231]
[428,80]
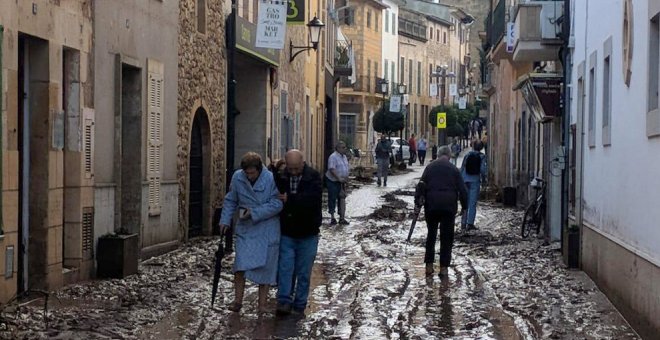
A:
[399,144]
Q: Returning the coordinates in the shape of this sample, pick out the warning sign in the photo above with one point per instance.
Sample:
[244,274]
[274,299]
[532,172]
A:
[442,120]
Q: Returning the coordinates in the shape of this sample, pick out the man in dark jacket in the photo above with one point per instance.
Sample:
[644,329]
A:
[443,187]
[299,221]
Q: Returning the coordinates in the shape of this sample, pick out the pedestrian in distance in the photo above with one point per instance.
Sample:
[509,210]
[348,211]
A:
[253,194]
[455,148]
[443,187]
[277,168]
[421,150]
[473,170]
[300,221]
[412,147]
[336,180]
[434,152]
[383,151]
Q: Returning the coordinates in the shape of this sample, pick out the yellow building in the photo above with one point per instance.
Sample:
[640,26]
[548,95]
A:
[358,98]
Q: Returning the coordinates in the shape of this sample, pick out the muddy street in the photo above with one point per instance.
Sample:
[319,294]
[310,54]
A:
[367,283]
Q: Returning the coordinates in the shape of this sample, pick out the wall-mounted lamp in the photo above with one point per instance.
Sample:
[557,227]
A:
[315,25]
[402,88]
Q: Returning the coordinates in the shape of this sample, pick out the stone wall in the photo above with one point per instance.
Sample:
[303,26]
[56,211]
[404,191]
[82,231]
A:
[202,83]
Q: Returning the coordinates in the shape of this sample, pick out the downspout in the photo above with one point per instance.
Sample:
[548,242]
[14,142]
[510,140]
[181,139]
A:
[566,126]
[231,95]
[580,162]
[2,31]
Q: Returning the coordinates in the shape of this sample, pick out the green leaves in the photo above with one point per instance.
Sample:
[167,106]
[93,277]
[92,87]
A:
[457,120]
[387,122]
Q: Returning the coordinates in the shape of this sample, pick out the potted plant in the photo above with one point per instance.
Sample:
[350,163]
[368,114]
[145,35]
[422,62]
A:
[117,255]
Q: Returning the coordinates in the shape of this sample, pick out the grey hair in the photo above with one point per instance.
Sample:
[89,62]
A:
[340,143]
[444,151]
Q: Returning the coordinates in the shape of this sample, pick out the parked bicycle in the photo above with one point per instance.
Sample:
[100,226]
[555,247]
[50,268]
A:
[535,212]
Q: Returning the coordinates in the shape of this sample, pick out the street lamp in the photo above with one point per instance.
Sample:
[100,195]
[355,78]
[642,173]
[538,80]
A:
[315,25]
[441,72]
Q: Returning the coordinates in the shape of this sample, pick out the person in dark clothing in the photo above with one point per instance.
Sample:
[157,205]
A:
[434,152]
[300,221]
[443,187]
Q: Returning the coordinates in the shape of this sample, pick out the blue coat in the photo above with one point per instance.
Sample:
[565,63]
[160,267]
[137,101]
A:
[258,238]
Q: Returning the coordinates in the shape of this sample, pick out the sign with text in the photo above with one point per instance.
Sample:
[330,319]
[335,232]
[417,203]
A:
[462,103]
[453,90]
[295,14]
[442,120]
[433,90]
[271,24]
[395,104]
[510,37]
[246,36]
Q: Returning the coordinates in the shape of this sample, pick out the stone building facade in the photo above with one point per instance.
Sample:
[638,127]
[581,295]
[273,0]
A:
[202,75]
[46,101]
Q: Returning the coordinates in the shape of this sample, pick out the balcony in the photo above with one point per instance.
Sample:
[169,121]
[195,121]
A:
[537,31]
[411,29]
[496,24]
[362,84]
[343,58]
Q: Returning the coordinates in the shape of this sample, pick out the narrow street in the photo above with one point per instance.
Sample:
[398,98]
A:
[368,283]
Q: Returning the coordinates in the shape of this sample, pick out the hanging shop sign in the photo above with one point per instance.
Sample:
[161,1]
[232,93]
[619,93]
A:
[462,103]
[271,24]
[395,104]
[246,38]
[296,12]
[453,90]
[441,120]
[542,93]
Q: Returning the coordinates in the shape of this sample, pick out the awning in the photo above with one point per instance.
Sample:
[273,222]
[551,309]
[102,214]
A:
[542,93]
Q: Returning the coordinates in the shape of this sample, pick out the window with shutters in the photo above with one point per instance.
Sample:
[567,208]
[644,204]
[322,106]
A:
[88,233]
[154,143]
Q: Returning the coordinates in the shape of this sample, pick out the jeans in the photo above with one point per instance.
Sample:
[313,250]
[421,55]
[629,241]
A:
[295,270]
[473,197]
[446,221]
[422,155]
[333,195]
[383,168]
[411,160]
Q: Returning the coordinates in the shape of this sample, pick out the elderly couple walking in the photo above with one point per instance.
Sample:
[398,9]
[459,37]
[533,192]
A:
[277,231]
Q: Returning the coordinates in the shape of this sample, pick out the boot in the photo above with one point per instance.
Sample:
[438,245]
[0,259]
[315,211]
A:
[263,299]
[239,289]
[429,269]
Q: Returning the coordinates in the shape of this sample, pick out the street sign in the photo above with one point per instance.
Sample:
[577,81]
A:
[453,90]
[395,104]
[433,90]
[442,120]
[271,24]
[462,103]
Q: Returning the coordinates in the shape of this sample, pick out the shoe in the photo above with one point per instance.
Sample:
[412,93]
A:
[235,307]
[299,312]
[471,227]
[343,222]
[283,309]
[378,182]
[333,221]
[444,272]
[429,269]
[385,183]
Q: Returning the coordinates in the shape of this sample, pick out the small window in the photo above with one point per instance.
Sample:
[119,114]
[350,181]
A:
[653,115]
[592,102]
[393,72]
[385,69]
[437,35]
[201,16]
[431,33]
[376,22]
[444,38]
[368,19]
[393,23]
[607,93]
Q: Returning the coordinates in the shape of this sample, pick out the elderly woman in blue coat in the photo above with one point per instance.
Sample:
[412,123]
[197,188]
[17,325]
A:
[254,195]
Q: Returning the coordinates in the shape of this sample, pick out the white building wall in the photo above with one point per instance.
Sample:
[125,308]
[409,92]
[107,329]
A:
[390,42]
[621,182]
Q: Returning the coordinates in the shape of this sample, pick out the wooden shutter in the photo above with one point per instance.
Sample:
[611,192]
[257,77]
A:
[88,233]
[155,137]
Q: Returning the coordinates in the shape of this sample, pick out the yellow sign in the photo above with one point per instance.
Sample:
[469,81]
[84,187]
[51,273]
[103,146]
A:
[442,120]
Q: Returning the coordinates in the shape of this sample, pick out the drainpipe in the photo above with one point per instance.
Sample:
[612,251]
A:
[566,126]
[231,95]
[580,159]
[2,31]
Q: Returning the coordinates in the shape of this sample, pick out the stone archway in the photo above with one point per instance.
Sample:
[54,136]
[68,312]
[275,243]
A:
[199,176]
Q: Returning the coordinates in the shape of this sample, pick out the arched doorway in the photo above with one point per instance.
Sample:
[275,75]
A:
[199,176]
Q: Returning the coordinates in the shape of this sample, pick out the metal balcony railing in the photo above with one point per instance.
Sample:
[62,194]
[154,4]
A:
[362,83]
[412,29]
[343,53]
[496,23]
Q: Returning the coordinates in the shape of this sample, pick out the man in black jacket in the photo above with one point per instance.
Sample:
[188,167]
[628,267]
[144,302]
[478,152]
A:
[299,222]
[443,187]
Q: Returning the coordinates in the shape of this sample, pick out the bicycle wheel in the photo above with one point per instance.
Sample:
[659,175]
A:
[528,221]
[539,218]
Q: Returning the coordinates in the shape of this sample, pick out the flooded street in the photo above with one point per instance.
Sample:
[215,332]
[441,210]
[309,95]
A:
[367,283]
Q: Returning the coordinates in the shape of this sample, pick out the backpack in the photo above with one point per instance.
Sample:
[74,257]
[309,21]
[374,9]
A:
[473,164]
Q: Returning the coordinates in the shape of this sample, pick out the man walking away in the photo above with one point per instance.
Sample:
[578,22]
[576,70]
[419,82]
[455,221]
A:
[443,188]
[474,169]
[300,221]
[434,152]
[337,175]
[383,151]
[455,150]
[412,146]
[421,150]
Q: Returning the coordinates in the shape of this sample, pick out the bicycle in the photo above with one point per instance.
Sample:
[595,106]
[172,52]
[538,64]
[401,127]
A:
[535,212]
